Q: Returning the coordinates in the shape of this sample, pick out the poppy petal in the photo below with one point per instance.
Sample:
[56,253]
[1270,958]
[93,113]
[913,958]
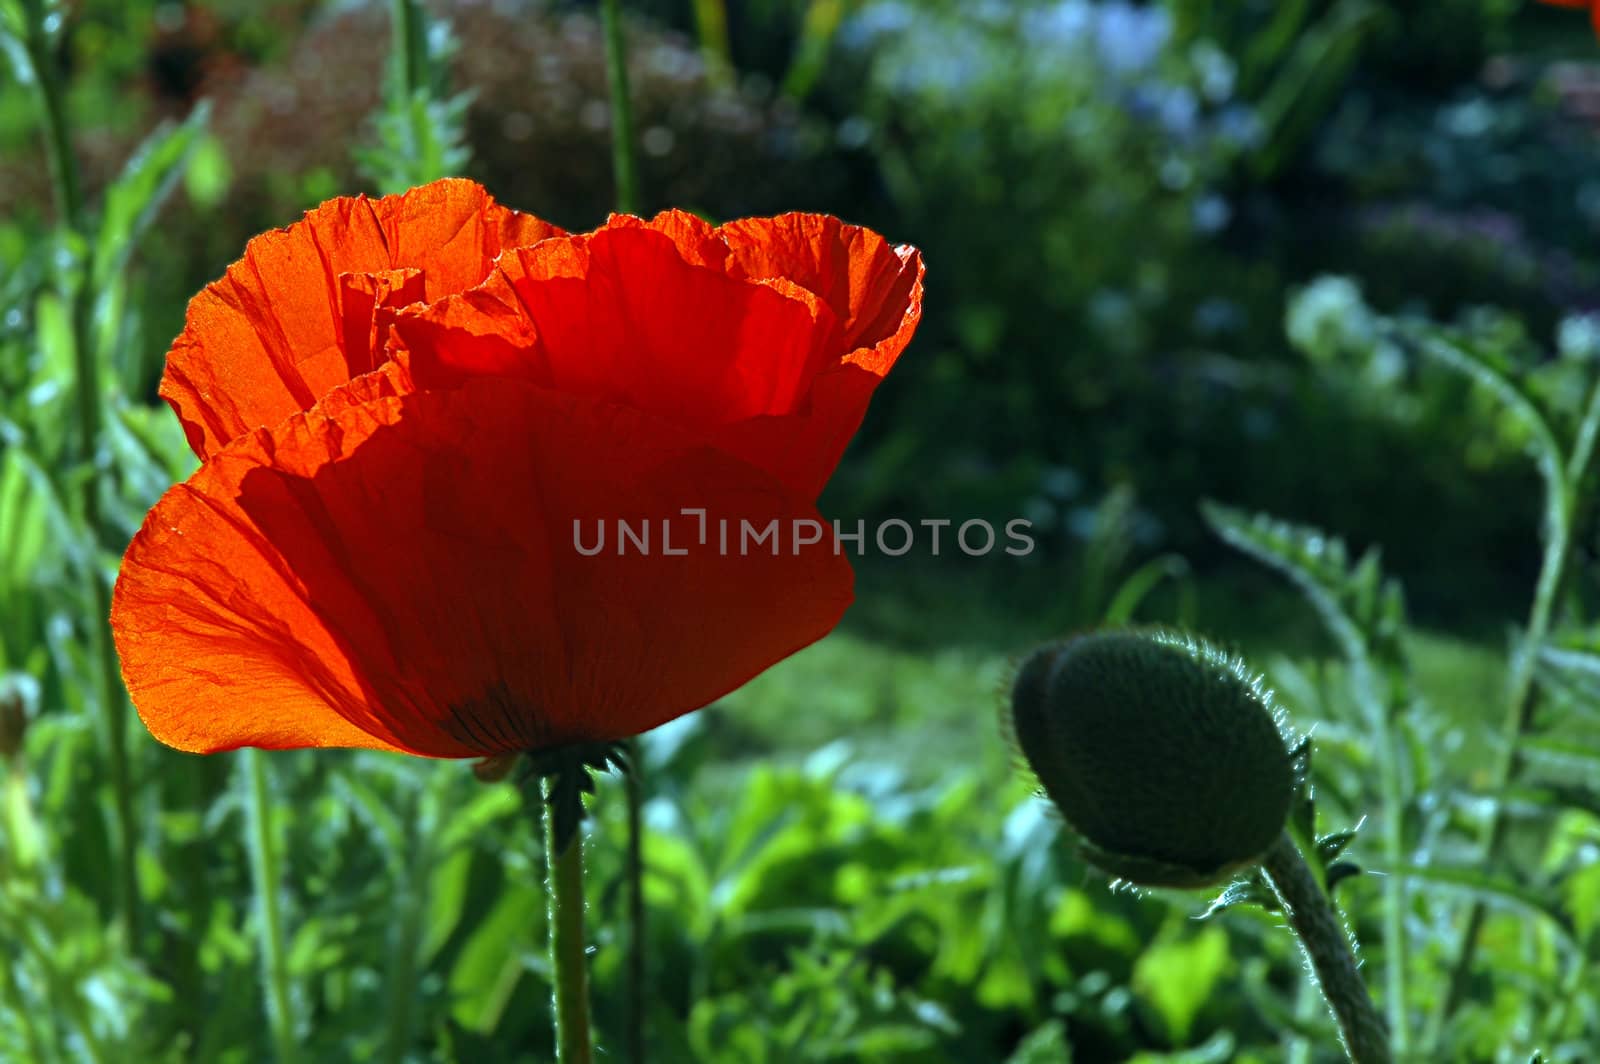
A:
[560,315]
[281,328]
[438,601]
[620,315]
[871,286]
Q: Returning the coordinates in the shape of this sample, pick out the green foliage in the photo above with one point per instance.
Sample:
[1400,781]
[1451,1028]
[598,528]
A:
[1551,409]
[841,865]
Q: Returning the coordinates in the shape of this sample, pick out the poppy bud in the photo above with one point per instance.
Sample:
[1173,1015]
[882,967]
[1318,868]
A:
[1163,754]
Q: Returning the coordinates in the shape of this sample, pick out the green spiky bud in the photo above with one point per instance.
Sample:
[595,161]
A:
[1163,754]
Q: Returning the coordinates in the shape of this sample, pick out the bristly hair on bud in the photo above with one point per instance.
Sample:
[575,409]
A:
[1166,756]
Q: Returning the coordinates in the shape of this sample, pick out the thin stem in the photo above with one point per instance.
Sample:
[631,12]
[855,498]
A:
[403,947]
[1396,889]
[86,367]
[568,964]
[1396,892]
[1566,495]
[624,169]
[1327,947]
[265,870]
[623,163]
[636,914]
[52,109]
[410,50]
[711,23]
[114,723]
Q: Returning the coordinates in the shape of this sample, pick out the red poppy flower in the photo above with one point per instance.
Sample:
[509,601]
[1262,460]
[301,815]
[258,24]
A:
[407,408]
[1592,5]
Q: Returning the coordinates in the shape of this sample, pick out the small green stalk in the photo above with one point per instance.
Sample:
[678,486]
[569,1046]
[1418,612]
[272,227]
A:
[86,367]
[1396,889]
[623,164]
[267,874]
[568,964]
[711,23]
[410,48]
[1322,937]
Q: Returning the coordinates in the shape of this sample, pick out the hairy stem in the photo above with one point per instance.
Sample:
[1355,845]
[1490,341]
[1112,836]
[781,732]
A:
[568,964]
[267,873]
[636,930]
[1316,923]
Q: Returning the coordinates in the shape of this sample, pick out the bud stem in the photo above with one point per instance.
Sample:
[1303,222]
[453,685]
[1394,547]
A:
[1327,947]
[568,963]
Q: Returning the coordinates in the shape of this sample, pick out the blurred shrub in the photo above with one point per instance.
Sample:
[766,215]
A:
[538,126]
[1117,199]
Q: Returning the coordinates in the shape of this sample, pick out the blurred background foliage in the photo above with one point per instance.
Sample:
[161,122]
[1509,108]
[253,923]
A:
[1168,243]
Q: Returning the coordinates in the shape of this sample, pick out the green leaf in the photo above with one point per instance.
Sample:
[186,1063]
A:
[134,199]
[1045,1045]
[1138,586]
[1364,613]
[1547,452]
[1179,977]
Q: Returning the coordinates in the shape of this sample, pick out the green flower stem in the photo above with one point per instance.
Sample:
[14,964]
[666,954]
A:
[1523,704]
[1315,922]
[86,367]
[711,23]
[625,173]
[568,964]
[265,870]
[636,914]
[623,162]
[410,49]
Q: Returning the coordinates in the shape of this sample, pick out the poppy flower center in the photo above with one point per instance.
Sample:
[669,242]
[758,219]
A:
[497,721]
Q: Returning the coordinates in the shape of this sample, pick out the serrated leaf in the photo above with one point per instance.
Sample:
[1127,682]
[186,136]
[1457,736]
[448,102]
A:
[1363,612]
[1547,452]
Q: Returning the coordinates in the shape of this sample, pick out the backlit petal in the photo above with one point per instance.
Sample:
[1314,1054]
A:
[282,327]
[402,567]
